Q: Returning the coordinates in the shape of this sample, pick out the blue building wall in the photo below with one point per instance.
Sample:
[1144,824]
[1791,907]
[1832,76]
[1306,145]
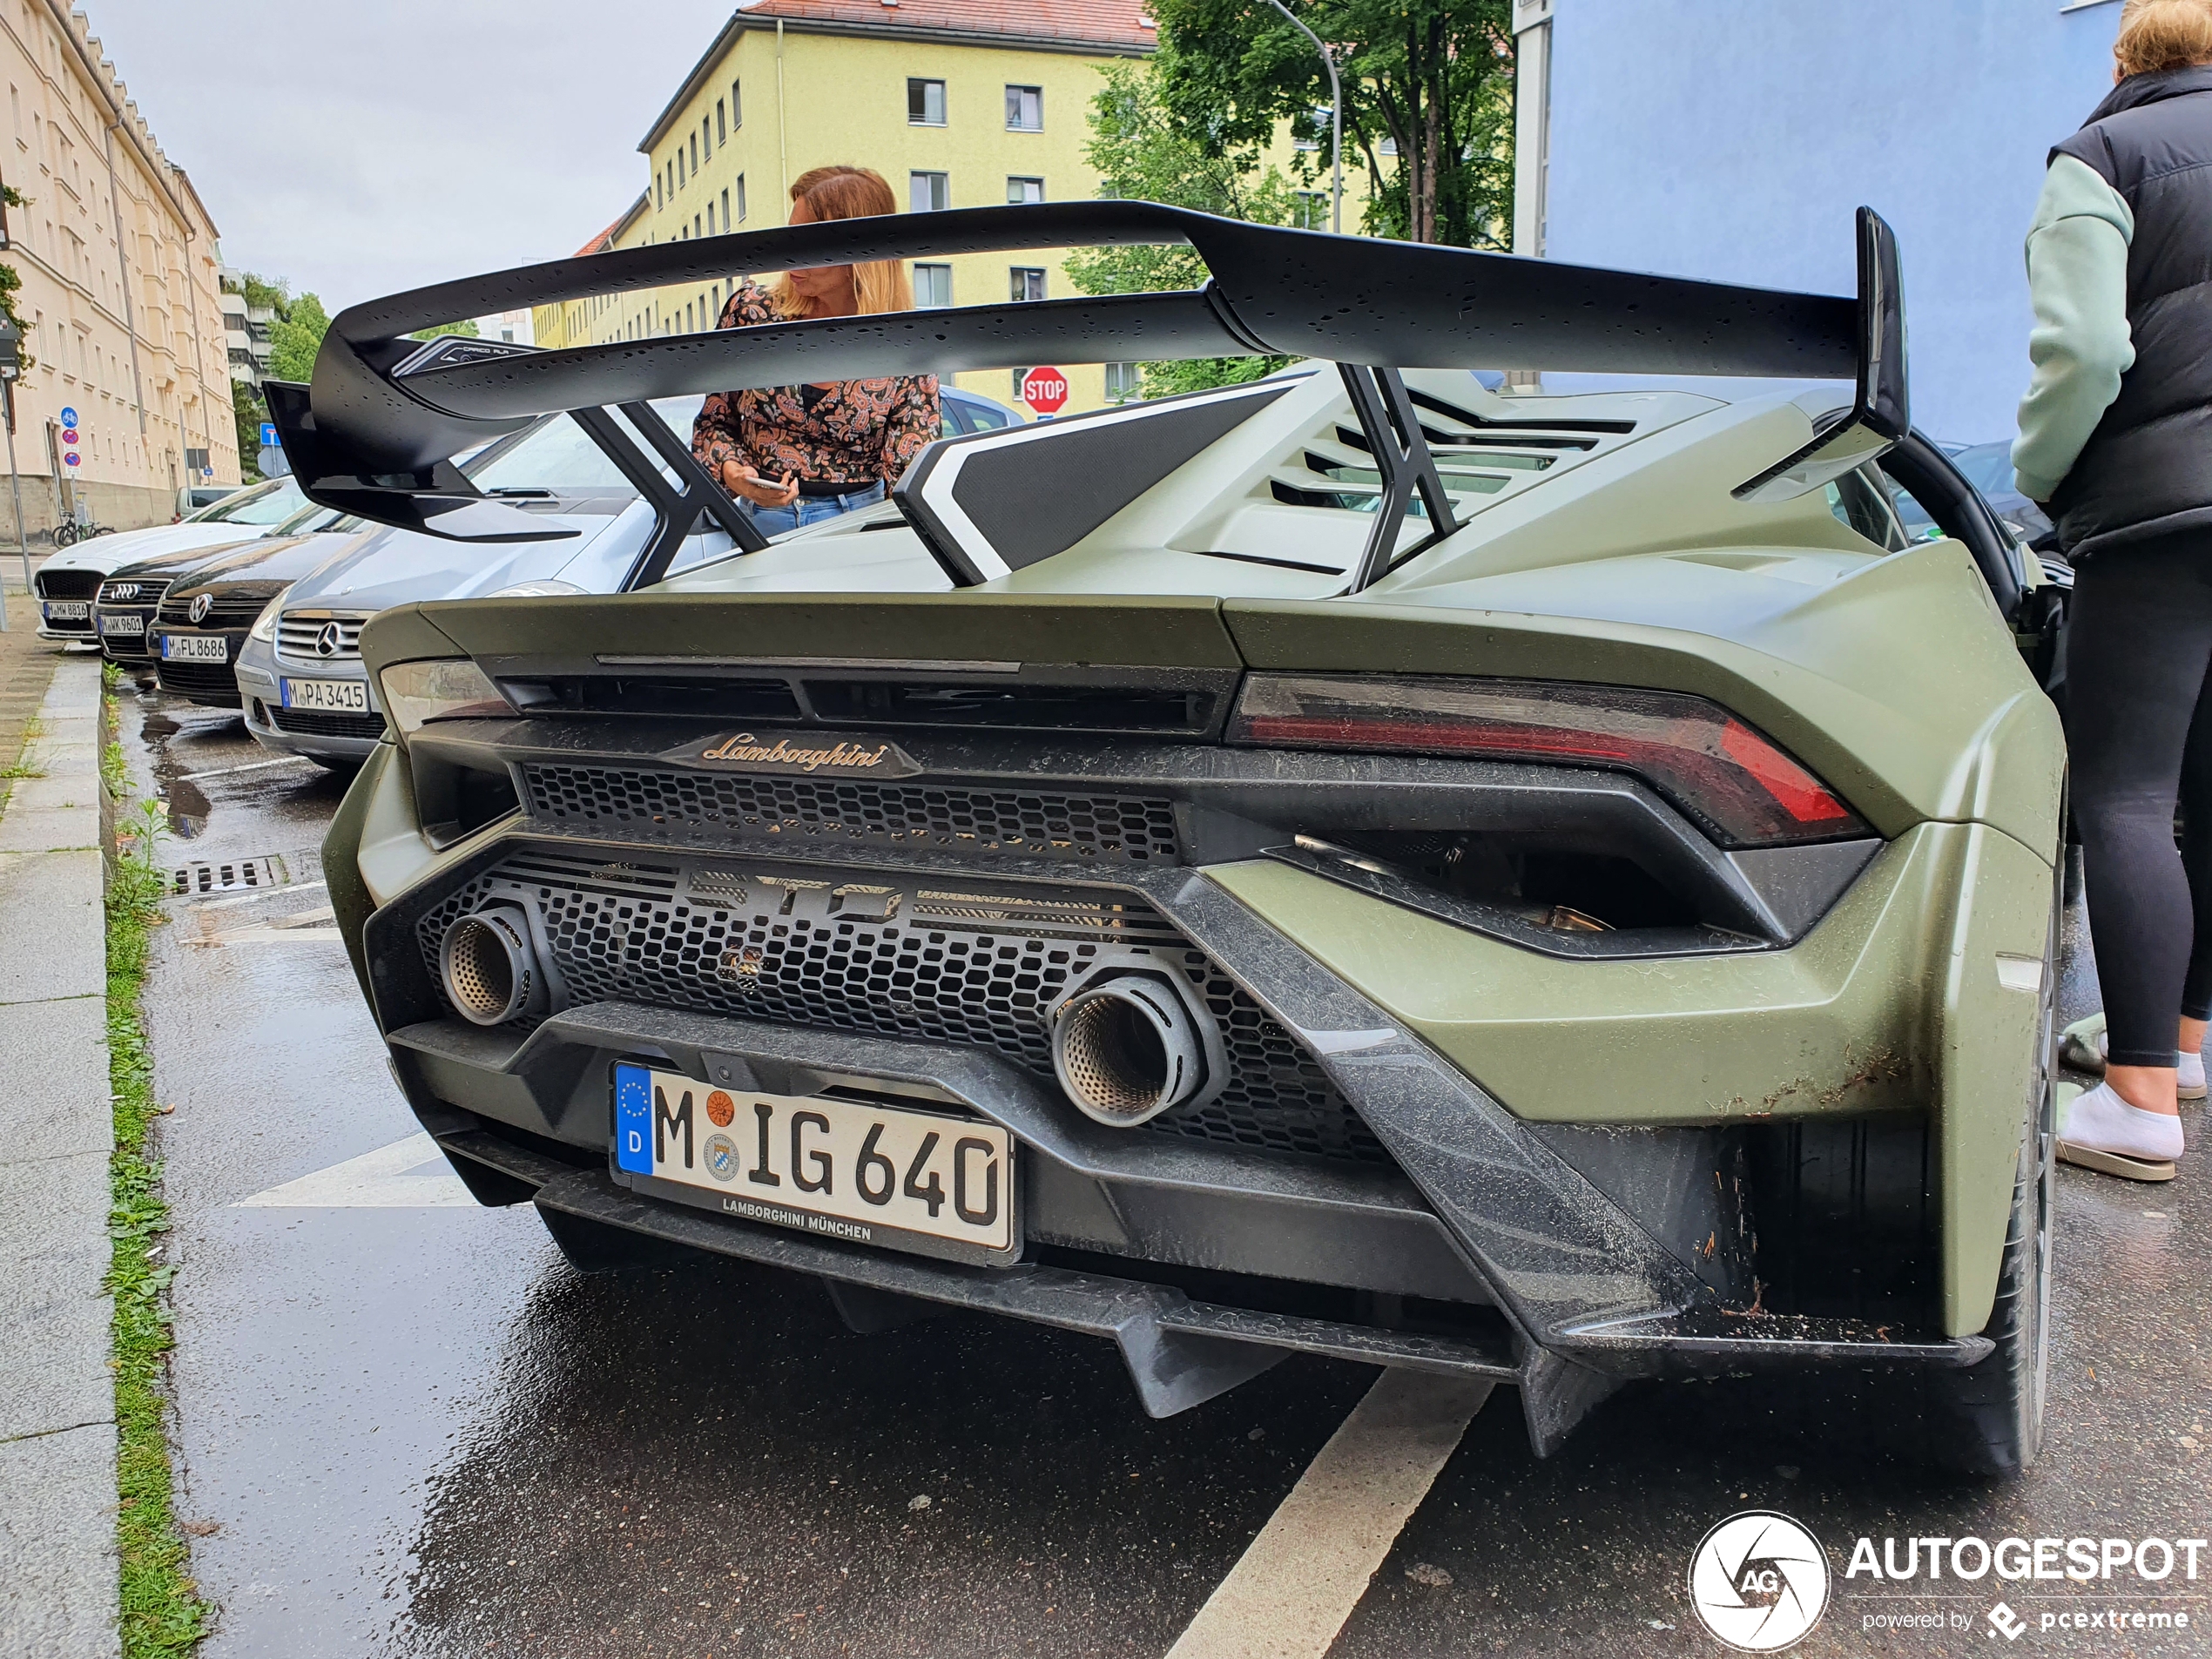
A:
[1732,138]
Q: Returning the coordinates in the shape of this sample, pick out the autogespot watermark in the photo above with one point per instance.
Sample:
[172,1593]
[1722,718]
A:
[1760,1582]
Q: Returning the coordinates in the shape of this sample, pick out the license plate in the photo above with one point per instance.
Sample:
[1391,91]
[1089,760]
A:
[195,648]
[840,1168]
[69,609]
[126,622]
[334,696]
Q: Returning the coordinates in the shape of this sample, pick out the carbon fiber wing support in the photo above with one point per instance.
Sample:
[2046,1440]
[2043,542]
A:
[385,413]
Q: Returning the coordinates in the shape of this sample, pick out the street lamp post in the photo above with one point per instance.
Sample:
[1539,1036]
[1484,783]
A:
[11,368]
[1336,118]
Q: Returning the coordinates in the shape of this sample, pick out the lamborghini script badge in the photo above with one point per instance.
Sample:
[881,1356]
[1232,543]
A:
[820,753]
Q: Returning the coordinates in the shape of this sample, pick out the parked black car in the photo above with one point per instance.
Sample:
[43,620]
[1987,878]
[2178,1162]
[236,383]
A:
[194,637]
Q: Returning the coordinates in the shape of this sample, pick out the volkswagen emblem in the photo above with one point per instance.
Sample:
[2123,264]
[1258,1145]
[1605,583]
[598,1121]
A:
[329,642]
[201,604]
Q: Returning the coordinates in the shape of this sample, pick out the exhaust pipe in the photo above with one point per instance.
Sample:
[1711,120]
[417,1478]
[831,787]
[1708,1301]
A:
[1126,1048]
[491,968]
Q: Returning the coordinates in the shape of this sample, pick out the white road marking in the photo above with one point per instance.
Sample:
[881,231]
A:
[252,765]
[274,933]
[407,1175]
[258,894]
[1291,1592]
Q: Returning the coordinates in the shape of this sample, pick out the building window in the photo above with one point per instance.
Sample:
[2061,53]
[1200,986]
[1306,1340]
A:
[710,219]
[1025,108]
[737,108]
[929,192]
[741,199]
[1028,283]
[1024,190]
[680,175]
[695,152]
[721,125]
[696,224]
[728,224]
[925,103]
[1121,382]
[932,285]
[1312,211]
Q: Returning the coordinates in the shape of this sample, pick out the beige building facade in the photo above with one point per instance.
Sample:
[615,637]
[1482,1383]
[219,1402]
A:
[120,299]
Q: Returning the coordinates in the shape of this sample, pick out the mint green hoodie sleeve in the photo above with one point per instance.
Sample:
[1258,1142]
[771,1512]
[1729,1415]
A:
[2077,281]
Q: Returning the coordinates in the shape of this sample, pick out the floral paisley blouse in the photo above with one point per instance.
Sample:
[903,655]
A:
[858,432]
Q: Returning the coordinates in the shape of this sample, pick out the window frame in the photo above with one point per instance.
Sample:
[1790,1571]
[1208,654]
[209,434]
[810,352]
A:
[1013,180]
[935,267]
[1014,93]
[922,84]
[933,182]
[1018,273]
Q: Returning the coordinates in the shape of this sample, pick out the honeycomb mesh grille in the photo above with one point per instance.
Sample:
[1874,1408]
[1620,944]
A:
[1042,825]
[641,933]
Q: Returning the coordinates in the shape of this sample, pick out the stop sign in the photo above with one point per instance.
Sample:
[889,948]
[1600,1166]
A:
[1044,390]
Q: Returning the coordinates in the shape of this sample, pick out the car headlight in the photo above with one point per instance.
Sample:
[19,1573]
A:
[543,588]
[417,693]
[265,625]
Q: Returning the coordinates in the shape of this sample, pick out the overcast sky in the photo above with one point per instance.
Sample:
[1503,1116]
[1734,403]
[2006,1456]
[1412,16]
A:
[358,149]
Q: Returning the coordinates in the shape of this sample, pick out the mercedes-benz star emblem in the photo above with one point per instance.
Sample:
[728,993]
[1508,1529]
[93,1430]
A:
[329,640]
[201,604]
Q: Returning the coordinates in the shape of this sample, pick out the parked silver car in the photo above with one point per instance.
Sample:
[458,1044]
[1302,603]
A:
[299,671]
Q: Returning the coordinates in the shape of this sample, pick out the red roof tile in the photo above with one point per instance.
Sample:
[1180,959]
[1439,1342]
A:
[1121,24]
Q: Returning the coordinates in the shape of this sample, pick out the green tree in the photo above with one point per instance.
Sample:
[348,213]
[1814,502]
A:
[295,337]
[11,284]
[1427,100]
[1142,154]
[467,330]
[246,406]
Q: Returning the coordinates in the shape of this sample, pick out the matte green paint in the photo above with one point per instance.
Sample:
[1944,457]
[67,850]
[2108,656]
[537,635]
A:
[1891,1003]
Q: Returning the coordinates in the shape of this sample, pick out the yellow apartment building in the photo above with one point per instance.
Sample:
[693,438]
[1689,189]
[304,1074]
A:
[957,102]
[120,301]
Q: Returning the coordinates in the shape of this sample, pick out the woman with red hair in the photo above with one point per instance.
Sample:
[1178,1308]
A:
[795,455]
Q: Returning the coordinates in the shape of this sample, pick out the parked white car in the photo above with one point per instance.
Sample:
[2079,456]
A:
[67,582]
[300,673]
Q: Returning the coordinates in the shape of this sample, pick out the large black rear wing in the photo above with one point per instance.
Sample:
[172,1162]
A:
[375,431]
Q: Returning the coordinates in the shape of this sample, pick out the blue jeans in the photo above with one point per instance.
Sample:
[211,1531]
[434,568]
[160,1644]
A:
[812,510]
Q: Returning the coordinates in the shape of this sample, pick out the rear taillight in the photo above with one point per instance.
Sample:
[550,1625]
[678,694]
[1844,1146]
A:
[1723,773]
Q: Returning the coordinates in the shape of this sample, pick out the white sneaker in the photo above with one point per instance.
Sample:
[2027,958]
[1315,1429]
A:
[2102,1131]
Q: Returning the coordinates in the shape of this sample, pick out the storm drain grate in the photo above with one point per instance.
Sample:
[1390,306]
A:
[234,875]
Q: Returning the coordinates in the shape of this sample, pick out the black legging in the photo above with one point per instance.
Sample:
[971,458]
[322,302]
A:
[2139,724]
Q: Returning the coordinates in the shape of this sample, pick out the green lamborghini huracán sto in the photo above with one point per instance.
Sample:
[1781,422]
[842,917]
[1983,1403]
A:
[1557,885]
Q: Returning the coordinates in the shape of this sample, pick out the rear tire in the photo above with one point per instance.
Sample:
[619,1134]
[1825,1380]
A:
[1988,1420]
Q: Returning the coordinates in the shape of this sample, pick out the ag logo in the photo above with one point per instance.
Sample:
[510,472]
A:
[1759,1581]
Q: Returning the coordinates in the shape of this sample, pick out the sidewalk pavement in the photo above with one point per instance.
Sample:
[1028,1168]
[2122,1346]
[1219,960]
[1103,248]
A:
[58,1560]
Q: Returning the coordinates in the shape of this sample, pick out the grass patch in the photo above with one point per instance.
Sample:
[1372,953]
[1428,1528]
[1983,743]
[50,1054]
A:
[162,1614]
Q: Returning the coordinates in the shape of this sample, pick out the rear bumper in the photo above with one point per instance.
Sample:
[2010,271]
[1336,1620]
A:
[1478,1247]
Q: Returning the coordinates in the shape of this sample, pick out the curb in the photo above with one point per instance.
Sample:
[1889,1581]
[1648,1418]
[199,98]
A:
[59,1571]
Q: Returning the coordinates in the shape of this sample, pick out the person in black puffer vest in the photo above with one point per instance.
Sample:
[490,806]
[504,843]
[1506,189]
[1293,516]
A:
[2116,436]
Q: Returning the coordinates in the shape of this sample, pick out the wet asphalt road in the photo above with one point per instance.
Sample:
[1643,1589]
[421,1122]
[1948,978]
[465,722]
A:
[412,1429]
